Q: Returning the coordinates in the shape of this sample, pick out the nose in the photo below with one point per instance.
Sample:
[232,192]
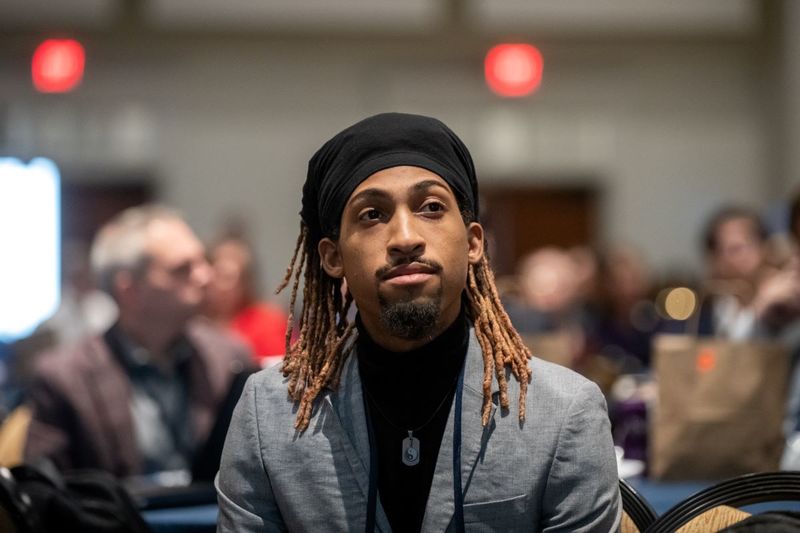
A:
[201,273]
[405,239]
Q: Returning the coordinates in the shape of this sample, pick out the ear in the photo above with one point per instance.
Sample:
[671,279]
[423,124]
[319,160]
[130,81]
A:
[474,243]
[330,258]
[123,286]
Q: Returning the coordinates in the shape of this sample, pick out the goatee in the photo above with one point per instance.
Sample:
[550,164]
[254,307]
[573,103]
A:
[410,320]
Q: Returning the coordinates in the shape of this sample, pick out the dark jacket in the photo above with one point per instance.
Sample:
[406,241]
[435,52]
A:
[81,400]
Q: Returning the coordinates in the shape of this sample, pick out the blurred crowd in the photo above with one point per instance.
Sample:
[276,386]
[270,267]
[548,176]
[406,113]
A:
[185,318]
[139,369]
[599,310]
[609,303]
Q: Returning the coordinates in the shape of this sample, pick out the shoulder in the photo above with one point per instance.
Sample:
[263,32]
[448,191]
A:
[558,398]
[269,382]
[557,378]
[266,391]
[63,371]
[67,360]
[555,383]
[267,413]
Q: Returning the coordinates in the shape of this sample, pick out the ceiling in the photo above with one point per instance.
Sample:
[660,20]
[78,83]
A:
[679,17]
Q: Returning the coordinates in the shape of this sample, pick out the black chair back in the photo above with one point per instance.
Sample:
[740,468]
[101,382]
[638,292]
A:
[635,506]
[743,490]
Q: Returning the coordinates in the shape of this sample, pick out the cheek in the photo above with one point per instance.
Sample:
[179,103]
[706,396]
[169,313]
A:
[362,256]
[359,275]
[459,275]
[456,265]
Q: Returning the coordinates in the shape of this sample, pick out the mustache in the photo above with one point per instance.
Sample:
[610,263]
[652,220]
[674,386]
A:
[383,271]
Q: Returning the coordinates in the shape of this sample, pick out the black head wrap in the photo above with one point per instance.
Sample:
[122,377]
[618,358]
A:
[377,143]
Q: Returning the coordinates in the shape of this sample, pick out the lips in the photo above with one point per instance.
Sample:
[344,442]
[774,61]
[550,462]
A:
[409,274]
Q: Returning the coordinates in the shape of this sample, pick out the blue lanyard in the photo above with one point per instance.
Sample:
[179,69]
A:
[458,495]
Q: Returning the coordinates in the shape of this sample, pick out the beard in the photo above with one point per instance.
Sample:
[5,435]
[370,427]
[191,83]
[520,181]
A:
[411,320]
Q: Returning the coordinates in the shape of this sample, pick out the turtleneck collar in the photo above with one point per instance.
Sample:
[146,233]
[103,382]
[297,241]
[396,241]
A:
[406,383]
[453,337]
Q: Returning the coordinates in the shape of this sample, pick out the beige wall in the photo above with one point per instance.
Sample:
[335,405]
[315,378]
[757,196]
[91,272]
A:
[667,129]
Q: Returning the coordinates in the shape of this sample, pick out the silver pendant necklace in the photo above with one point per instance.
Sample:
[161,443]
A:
[410,455]
[410,450]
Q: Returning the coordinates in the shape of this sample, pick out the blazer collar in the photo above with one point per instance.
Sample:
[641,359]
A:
[348,404]
[440,508]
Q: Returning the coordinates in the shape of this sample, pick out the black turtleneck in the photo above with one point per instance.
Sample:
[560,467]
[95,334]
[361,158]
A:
[402,392]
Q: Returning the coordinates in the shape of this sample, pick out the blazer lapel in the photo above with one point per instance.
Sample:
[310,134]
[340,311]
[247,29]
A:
[440,508]
[348,405]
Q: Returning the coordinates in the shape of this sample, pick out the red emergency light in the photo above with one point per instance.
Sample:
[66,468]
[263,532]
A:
[513,70]
[57,65]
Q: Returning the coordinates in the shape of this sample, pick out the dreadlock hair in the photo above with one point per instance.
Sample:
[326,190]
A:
[324,334]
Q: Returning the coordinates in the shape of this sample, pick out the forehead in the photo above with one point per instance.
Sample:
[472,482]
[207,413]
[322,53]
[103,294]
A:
[230,251]
[171,240]
[401,180]
[737,227]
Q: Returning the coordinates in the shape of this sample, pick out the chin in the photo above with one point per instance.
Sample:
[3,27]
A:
[408,295]
[184,314]
[420,301]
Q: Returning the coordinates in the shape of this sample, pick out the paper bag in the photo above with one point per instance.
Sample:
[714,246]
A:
[720,408]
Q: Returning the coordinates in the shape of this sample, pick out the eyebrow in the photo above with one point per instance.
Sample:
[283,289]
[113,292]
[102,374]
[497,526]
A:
[428,184]
[368,195]
[379,194]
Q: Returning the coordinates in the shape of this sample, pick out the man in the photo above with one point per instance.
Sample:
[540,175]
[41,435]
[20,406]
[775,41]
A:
[144,396]
[734,242]
[420,386]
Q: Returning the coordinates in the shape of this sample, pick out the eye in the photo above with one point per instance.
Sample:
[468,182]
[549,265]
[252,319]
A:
[370,214]
[182,271]
[433,206]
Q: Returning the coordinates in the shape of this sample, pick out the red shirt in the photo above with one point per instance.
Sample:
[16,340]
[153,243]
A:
[263,327]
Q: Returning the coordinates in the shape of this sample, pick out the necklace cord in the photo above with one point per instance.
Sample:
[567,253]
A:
[413,430]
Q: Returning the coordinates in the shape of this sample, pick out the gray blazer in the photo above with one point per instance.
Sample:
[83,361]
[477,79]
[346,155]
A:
[555,473]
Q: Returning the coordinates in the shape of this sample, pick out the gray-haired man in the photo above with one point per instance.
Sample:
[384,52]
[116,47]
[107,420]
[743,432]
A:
[140,398]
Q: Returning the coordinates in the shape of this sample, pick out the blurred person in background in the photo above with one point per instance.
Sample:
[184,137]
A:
[623,321]
[586,266]
[735,243]
[546,308]
[624,317]
[735,246]
[142,397]
[747,298]
[781,308]
[779,296]
[84,308]
[547,285]
[232,300]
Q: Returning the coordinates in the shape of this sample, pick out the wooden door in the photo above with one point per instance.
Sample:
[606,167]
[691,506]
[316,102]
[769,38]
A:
[87,206]
[521,219]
